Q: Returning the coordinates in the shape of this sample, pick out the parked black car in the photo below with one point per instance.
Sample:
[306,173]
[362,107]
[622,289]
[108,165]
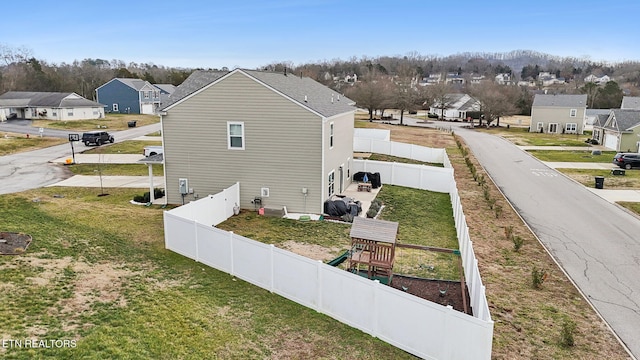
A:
[96,137]
[627,160]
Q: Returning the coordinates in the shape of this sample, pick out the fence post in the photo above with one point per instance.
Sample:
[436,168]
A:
[320,286]
[233,271]
[374,326]
[271,247]
[195,227]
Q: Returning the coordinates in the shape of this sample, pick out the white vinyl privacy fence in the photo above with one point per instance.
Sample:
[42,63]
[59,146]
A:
[420,327]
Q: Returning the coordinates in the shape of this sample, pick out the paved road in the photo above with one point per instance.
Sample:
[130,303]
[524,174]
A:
[30,170]
[595,242]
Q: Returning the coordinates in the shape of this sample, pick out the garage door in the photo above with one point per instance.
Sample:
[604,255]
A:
[147,108]
[611,141]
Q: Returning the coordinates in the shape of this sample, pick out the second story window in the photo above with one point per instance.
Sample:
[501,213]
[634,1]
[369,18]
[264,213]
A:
[235,135]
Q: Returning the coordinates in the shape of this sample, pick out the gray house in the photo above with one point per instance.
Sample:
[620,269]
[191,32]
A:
[558,114]
[621,130]
[286,139]
[48,106]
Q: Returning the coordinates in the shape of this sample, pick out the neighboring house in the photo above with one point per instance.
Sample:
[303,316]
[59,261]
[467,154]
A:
[630,102]
[455,107]
[133,96]
[504,79]
[288,140]
[597,80]
[558,114]
[49,106]
[598,126]
[621,130]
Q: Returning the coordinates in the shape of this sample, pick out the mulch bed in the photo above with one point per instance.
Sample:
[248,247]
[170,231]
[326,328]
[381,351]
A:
[442,292]
[13,243]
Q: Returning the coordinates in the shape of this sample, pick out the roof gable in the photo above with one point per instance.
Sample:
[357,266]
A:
[303,91]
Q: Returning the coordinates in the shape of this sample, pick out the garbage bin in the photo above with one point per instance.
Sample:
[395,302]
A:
[599,182]
[131,124]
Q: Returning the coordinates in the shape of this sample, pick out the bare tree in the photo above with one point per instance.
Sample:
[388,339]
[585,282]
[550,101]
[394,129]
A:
[496,101]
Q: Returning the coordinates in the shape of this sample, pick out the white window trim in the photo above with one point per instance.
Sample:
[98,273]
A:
[331,183]
[229,123]
[573,112]
[331,133]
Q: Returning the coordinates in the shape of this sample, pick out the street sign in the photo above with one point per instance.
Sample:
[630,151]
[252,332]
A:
[74,137]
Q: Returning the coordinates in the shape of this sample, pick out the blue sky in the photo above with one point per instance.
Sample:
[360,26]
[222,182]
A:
[252,33]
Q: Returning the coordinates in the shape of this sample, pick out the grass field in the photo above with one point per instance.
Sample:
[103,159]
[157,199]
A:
[573,156]
[125,147]
[110,122]
[97,272]
[11,143]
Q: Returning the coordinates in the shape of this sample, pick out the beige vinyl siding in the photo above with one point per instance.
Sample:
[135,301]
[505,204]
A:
[342,149]
[558,115]
[283,145]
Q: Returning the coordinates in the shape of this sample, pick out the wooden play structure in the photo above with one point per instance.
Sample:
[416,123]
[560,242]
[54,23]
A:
[373,244]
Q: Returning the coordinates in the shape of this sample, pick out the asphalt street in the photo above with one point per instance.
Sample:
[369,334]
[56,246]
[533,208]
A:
[33,169]
[595,242]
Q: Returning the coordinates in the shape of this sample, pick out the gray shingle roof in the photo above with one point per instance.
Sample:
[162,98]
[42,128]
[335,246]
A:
[136,84]
[302,90]
[625,119]
[575,101]
[630,102]
[45,99]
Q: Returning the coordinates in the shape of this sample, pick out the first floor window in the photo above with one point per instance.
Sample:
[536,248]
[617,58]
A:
[235,131]
[331,183]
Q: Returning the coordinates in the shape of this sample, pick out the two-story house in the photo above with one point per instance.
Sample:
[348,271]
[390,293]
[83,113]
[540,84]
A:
[132,96]
[288,140]
[558,114]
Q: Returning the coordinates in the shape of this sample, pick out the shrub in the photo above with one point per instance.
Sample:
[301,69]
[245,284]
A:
[567,331]
[517,242]
[538,276]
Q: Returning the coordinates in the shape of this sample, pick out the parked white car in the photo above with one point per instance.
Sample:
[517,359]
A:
[153,150]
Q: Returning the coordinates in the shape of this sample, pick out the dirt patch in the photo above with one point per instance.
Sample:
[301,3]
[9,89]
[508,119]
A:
[312,251]
[14,243]
[438,291]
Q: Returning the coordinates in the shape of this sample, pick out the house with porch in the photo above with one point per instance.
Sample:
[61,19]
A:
[34,105]
[455,107]
[133,96]
[558,114]
[620,131]
[287,139]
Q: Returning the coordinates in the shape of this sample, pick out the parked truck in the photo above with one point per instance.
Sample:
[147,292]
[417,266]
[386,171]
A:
[153,150]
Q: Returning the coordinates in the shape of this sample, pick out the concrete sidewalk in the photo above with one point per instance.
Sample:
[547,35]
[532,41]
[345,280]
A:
[102,159]
[111,181]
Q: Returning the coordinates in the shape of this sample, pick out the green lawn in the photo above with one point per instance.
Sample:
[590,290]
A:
[115,169]
[522,136]
[125,147]
[97,271]
[389,158]
[110,122]
[631,179]
[573,156]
